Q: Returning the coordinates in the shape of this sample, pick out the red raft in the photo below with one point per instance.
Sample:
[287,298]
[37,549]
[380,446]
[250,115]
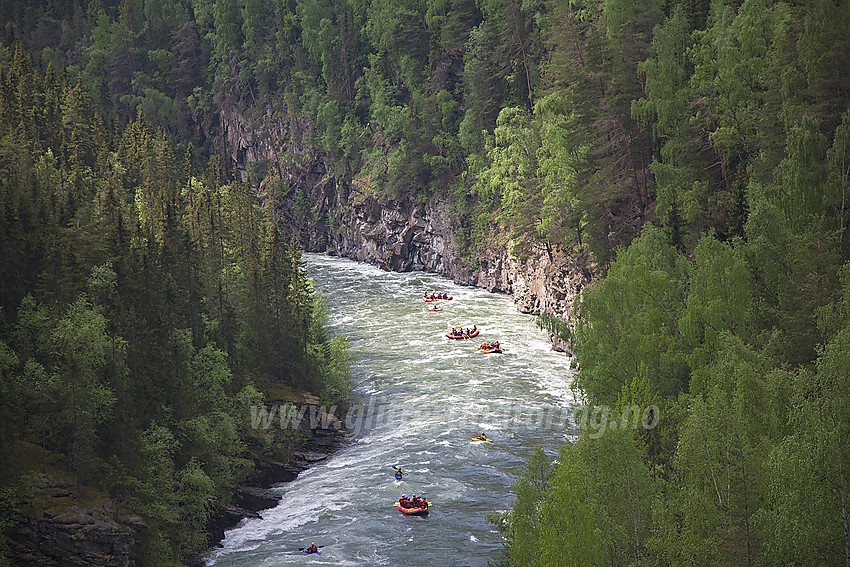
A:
[474,333]
[408,508]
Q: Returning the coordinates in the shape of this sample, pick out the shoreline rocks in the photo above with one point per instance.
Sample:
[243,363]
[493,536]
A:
[55,527]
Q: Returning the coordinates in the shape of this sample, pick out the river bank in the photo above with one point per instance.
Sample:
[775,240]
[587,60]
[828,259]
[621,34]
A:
[323,433]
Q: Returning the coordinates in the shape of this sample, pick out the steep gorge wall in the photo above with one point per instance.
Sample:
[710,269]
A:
[327,214]
[403,234]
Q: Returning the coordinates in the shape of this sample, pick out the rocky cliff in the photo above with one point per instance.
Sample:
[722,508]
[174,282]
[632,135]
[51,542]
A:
[322,434]
[405,234]
[328,214]
[67,531]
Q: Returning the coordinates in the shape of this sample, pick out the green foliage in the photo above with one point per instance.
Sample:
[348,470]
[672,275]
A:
[720,299]
[8,504]
[81,346]
[194,500]
[554,326]
[720,460]
[154,303]
[562,156]
[622,490]
[570,509]
[630,320]
[592,506]
[528,515]
[808,489]
[12,395]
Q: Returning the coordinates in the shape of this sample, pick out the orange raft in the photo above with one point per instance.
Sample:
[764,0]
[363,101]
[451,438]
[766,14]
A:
[474,333]
[408,508]
[433,299]
[489,349]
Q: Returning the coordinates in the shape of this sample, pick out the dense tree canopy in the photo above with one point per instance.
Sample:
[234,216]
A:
[146,301]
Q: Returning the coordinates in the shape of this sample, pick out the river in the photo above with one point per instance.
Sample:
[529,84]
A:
[423,396]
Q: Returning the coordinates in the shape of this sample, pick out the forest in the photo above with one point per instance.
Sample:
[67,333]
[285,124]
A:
[695,150]
[148,302]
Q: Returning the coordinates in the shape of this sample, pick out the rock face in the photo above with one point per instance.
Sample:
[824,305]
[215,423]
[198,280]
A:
[404,234]
[78,536]
[398,234]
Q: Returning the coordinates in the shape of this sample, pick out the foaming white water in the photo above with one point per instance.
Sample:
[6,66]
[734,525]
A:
[422,396]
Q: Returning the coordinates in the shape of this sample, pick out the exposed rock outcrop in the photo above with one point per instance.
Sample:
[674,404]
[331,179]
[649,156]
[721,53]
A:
[351,220]
[405,234]
[77,536]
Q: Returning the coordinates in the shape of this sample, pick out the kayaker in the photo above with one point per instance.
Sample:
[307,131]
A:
[400,472]
[312,548]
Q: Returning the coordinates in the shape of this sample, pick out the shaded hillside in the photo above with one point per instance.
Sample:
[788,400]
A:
[147,304]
